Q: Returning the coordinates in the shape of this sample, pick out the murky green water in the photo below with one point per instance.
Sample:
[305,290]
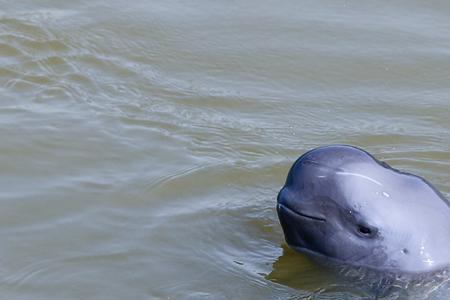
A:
[143,142]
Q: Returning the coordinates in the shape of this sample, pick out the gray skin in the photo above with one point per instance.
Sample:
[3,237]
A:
[339,202]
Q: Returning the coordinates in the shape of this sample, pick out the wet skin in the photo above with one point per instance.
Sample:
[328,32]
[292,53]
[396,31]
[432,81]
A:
[339,202]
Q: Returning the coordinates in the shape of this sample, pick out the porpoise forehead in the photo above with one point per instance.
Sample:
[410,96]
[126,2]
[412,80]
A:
[336,156]
[361,176]
[324,162]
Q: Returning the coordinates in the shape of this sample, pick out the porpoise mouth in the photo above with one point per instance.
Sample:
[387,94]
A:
[302,214]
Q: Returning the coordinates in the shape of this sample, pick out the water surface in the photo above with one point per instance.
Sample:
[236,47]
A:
[143,142]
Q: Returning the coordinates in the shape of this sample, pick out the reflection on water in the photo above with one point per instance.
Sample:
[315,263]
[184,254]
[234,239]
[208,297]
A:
[143,143]
[299,272]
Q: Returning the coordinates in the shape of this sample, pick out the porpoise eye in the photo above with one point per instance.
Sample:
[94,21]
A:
[366,231]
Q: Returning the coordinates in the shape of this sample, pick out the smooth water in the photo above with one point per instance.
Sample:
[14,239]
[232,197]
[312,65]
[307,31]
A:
[143,142]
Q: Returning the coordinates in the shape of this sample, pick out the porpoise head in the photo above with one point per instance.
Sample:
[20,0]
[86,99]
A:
[341,203]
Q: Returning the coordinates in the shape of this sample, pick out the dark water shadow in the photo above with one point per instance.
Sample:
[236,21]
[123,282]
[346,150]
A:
[298,271]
